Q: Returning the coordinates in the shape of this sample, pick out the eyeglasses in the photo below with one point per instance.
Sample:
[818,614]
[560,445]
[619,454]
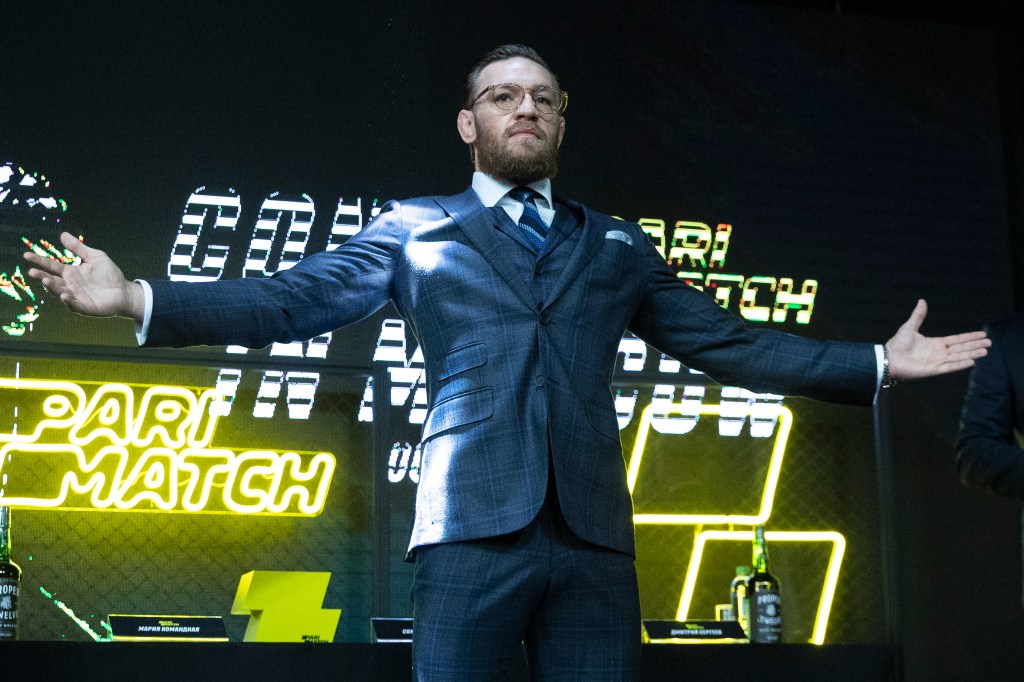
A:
[509,96]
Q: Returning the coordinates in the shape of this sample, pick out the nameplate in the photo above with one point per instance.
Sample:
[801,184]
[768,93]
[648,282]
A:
[133,628]
[681,632]
[385,630]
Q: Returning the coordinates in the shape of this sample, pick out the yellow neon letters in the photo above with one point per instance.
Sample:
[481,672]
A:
[71,450]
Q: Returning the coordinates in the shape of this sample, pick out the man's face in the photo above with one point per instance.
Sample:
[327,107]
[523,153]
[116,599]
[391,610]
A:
[519,146]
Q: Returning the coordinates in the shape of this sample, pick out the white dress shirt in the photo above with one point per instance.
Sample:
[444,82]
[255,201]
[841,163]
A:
[495,193]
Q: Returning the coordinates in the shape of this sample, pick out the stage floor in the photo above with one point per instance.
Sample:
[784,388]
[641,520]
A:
[188,662]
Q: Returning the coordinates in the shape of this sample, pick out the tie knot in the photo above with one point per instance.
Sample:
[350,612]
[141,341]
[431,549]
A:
[531,222]
[523,195]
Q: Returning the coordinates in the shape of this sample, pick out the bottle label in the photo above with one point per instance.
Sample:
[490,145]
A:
[765,617]
[8,608]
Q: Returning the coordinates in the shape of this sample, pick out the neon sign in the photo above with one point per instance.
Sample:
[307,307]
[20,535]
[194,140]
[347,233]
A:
[280,238]
[17,288]
[24,197]
[775,414]
[111,451]
[764,418]
[694,245]
[829,582]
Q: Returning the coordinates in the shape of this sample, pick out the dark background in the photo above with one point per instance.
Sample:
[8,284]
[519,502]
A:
[874,147]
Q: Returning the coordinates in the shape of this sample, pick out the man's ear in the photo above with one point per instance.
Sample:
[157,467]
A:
[561,131]
[467,126]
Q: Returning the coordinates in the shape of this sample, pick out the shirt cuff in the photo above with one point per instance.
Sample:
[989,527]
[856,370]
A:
[879,364]
[142,328]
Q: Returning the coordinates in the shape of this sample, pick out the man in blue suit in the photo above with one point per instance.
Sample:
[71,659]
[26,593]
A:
[518,298]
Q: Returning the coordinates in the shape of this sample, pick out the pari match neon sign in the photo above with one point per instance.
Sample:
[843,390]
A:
[124,448]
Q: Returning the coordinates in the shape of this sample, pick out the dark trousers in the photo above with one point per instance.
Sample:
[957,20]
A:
[572,606]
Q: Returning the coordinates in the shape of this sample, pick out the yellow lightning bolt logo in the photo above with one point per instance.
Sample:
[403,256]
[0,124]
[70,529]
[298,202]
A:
[285,606]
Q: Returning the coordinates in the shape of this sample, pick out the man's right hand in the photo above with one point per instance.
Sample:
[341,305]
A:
[95,287]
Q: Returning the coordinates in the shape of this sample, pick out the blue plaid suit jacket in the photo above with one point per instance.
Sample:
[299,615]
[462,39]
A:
[508,375]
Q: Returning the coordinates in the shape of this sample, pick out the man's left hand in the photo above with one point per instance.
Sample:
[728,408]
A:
[913,356]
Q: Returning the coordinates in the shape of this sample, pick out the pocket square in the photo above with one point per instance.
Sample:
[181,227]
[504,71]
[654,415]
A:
[620,235]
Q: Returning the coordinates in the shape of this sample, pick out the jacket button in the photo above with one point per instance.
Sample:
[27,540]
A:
[540,379]
[545,318]
[540,306]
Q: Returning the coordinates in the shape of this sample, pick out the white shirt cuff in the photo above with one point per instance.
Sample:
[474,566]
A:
[142,329]
[879,363]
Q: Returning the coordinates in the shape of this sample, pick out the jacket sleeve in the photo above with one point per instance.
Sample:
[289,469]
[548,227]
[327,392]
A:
[690,326]
[320,293]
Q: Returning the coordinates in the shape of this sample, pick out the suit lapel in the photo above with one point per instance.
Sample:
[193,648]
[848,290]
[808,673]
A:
[590,242]
[504,223]
[563,224]
[481,225]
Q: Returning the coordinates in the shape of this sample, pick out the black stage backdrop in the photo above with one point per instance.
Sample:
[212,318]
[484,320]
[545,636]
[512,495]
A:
[816,173]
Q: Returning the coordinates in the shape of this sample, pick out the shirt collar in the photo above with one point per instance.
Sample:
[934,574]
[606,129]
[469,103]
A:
[491,191]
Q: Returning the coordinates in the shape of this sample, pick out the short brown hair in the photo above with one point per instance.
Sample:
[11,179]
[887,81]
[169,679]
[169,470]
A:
[498,54]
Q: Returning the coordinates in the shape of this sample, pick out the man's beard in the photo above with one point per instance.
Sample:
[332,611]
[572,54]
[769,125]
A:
[520,168]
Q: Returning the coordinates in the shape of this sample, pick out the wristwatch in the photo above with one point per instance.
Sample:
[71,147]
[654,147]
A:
[887,380]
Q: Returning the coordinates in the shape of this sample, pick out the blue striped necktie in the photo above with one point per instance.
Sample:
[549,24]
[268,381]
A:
[534,227]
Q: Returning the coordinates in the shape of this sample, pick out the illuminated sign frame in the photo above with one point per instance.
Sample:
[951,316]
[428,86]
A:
[764,411]
[828,588]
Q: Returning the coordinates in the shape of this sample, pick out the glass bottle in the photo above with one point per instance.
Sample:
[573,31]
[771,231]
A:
[10,580]
[765,615]
[738,596]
